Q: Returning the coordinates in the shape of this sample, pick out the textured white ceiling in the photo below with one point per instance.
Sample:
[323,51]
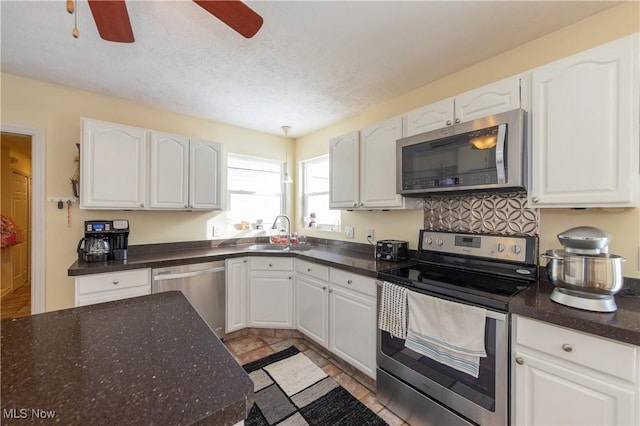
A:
[313,62]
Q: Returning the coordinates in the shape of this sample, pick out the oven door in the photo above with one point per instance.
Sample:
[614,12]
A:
[482,400]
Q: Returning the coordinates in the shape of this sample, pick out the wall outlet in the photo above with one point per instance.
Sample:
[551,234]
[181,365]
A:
[369,234]
[348,231]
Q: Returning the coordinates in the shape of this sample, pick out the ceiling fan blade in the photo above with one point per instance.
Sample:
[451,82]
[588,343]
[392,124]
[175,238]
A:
[235,14]
[112,20]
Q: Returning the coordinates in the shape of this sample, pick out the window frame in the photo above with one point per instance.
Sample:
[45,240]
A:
[320,226]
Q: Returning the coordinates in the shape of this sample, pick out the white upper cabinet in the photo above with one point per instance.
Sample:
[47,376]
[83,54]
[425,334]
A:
[585,129]
[205,175]
[113,166]
[179,173]
[363,168]
[168,171]
[430,117]
[184,173]
[504,95]
[378,165]
[344,174]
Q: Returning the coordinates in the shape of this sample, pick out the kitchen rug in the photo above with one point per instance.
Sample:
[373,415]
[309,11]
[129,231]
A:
[290,390]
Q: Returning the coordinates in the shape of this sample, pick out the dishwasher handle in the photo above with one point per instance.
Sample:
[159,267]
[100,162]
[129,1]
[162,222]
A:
[162,276]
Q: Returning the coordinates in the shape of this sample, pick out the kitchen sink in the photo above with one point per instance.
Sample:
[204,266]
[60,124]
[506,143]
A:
[279,247]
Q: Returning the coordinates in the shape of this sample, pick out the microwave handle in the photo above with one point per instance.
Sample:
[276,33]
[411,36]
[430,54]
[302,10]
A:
[502,132]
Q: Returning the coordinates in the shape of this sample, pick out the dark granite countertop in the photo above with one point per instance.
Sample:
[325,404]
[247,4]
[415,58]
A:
[622,325]
[145,360]
[353,257]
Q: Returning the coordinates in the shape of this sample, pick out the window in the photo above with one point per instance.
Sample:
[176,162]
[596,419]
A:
[315,189]
[255,189]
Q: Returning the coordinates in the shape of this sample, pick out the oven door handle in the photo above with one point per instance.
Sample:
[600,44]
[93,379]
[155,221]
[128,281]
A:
[498,316]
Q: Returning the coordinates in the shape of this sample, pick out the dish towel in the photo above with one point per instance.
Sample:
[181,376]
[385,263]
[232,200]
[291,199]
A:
[393,310]
[447,332]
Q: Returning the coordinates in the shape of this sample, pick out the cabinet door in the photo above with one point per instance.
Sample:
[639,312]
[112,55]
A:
[548,393]
[168,171]
[501,96]
[378,164]
[236,283]
[271,299]
[205,176]
[312,308]
[344,173]
[585,129]
[430,117]
[112,161]
[352,328]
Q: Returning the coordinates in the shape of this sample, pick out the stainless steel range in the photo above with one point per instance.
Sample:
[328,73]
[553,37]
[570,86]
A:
[483,271]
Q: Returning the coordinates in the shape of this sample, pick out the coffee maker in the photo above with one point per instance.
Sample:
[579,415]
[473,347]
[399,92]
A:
[104,240]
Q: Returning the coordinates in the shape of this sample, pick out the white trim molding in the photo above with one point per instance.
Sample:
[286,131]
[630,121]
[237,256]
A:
[38,205]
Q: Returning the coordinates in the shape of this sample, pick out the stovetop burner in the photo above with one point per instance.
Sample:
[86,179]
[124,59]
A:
[476,269]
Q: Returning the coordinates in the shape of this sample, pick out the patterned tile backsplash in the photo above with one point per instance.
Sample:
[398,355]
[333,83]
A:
[500,213]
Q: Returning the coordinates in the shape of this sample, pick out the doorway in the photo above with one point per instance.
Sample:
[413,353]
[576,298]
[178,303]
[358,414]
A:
[15,205]
[23,202]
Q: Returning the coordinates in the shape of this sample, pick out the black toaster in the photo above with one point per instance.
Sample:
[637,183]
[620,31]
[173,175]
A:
[392,250]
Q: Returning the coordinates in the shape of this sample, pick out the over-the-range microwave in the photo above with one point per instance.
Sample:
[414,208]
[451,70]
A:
[487,154]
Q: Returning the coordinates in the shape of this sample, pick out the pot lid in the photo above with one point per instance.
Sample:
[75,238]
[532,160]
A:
[585,238]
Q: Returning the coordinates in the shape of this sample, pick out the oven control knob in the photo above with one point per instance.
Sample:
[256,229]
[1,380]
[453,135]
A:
[516,249]
[500,248]
[439,241]
[429,241]
[378,255]
[388,257]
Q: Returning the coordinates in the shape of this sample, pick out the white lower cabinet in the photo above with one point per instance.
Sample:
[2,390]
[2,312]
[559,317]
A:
[271,292]
[98,288]
[565,377]
[337,309]
[236,283]
[352,328]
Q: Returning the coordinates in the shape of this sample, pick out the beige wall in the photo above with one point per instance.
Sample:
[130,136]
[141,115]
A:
[623,224]
[58,110]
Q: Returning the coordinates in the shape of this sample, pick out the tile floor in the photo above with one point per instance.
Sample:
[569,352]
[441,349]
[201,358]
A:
[252,344]
[16,304]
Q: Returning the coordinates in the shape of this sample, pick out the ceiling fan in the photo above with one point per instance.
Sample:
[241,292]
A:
[112,18]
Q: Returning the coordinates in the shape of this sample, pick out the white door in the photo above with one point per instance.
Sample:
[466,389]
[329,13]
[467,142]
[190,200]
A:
[236,290]
[585,129]
[271,299]
[547,393]
[352,328]
[430,117]
[378,164]
[312,309]
[501,96]
[20,213]
[113,166]
[205,185]
[344,173]
[168,171]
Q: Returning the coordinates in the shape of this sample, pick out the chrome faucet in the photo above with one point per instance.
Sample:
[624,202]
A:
[275,222]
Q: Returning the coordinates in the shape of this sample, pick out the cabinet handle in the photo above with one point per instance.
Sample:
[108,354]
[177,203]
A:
[308,269]
[355,204]
[116,282]
[457,120]
[349,281]
[535,199]
[186,206]
[330,290]
[244,261]
[141,205]
[567,348]
[448,122]
[519,360]
[270,265]
[290,277]
[324,287]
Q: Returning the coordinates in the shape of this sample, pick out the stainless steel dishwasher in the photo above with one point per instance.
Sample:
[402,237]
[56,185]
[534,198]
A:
[203,286]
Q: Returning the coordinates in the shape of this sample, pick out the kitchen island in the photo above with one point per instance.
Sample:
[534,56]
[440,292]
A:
[144,360]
